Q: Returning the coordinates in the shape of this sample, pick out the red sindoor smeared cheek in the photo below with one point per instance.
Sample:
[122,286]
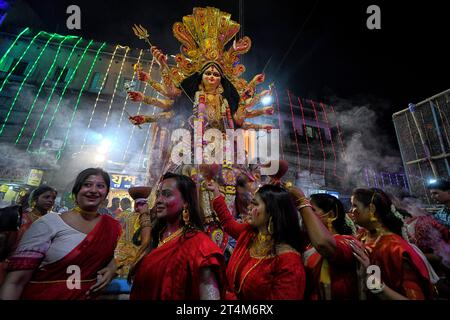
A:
[173,204]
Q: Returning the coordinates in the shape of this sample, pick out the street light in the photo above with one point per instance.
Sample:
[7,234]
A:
[106,142]
[100,158]
[266,100]
[102,149]
[104,146]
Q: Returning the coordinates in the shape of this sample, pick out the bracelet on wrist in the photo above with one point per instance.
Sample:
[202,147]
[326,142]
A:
[302,206]
[302,201]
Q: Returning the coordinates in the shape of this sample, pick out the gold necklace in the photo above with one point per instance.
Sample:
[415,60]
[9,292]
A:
[79,210]
[261,246]
[33,215]
[170,237]
[259,237]
[366,240]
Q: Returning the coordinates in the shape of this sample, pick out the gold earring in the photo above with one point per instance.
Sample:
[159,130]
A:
[372,217]
[330,220]
[220,89]
[270,226]
[186,216]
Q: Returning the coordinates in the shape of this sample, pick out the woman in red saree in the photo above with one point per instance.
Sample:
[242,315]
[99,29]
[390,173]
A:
[68,256]
[404,275]
[181,262]
[333,269]
[266,263]
[38,203]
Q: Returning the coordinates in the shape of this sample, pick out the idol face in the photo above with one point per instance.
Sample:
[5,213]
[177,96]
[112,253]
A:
[211,77]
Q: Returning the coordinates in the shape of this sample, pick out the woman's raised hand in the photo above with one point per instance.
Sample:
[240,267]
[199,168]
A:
[295,192]
[360,253]
[212,186]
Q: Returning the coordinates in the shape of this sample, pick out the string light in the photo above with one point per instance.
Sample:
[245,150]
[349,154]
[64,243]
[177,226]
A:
[117,83]
[51,94]
[126,97]
[279,120]
[295,131]
[339,130]
[13,44]
[375,178]
[78,98]
[19,60]
[98,97]
[64,90]
[10,73]
[331,137]
[390,179]
[320,135]
[382,180]
[33,66]
[306,133]
[150,127]
[367,177]
[49,72]
[138,111]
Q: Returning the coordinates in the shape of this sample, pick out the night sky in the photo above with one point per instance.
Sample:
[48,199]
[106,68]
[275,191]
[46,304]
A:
[317,49]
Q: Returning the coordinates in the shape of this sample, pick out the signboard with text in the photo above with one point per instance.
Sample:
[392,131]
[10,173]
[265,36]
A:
[35,177]
[119,181]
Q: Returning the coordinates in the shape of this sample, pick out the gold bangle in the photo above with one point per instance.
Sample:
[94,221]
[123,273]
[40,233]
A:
[300,207]
[303,201]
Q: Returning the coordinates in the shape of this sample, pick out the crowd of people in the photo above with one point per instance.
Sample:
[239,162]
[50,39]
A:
[287,247]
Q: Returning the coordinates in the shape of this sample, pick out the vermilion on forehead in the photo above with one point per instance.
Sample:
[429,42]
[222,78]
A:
[212,68]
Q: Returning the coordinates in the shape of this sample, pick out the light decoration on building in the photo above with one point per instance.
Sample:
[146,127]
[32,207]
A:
[98,97]
[320,136]
[138,112]
[78,99]
[11,72]
[331,136]
[117,83]
[49,98]
[294,130]
[69,81]
[49,72]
